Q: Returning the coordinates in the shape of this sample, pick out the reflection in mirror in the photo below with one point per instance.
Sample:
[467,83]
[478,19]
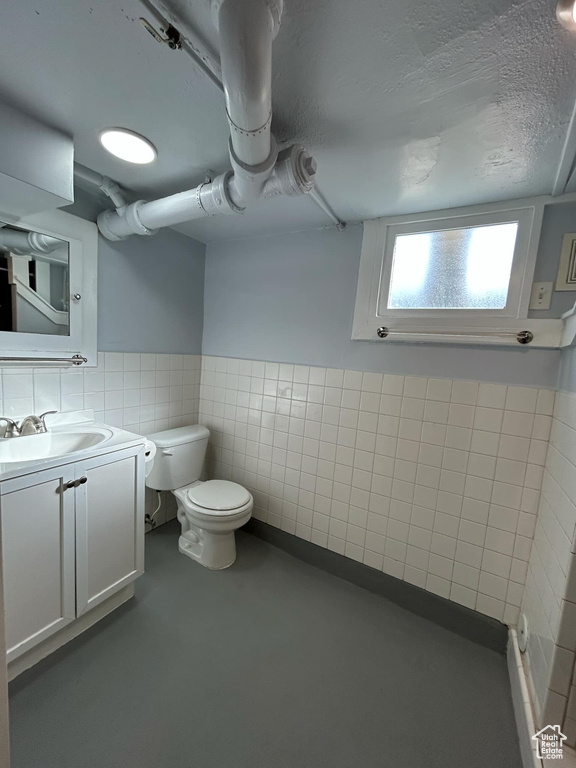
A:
[34,282]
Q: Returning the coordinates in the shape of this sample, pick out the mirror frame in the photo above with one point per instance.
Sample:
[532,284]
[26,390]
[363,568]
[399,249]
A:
[82,239]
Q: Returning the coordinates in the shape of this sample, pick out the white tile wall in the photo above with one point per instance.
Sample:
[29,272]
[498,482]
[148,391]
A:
[433,481]
[144,393]
[550,594]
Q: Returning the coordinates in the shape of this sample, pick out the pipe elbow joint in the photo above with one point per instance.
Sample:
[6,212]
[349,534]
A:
[113,191]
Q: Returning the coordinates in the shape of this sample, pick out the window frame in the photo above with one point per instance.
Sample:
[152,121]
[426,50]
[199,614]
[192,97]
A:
[376,267]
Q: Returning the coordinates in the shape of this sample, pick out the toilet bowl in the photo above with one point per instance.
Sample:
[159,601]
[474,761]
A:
[208,521]
[209,512]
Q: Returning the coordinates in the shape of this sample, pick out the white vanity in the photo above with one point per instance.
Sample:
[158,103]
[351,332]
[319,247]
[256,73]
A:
[72,512]
[72,497]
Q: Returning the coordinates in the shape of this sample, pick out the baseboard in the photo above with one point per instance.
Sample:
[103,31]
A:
[469,624]
[521,702]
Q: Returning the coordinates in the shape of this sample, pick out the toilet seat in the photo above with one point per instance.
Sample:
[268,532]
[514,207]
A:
[219,498]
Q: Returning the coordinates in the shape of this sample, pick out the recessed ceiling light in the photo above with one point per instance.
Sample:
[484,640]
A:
[128,146]
[566,14]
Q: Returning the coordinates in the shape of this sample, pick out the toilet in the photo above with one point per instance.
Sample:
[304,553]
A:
[209,512]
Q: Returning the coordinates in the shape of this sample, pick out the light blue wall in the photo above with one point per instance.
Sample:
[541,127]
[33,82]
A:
[558,219]
[291,299]
[151,294]
[150,290]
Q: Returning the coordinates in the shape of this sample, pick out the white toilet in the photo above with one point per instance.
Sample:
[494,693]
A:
[210,511]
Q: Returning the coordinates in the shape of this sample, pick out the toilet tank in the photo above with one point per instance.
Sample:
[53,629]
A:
[179,457]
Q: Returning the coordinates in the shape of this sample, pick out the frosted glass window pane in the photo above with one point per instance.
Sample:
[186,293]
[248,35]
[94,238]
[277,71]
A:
[465,268]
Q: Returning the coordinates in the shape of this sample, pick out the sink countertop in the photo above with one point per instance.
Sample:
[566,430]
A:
[78,421]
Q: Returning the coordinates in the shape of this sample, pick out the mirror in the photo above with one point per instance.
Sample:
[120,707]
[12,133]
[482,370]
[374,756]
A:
[34,282]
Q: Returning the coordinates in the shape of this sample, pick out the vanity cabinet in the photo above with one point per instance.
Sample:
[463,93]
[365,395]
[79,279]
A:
[72,536]
[38,554]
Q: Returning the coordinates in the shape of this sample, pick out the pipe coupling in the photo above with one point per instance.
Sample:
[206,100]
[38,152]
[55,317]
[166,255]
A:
[115,226]
[293,174]
[249,180]
[215,197]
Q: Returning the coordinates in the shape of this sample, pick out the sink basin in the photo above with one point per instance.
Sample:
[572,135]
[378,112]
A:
[51,444]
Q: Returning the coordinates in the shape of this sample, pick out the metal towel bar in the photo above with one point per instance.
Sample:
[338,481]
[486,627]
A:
[74,360]
[522,337]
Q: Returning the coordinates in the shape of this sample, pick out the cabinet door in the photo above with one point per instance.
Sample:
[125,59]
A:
[109,525]
[37,514]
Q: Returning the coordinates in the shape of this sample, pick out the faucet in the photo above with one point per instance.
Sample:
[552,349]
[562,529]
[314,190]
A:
[31,425]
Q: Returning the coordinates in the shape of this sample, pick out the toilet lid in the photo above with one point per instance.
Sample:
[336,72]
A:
[219,495]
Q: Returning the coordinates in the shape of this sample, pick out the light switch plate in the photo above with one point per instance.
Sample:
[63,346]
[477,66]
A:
[541,295]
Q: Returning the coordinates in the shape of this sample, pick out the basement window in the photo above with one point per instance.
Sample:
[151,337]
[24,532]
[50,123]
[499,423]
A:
[448,275]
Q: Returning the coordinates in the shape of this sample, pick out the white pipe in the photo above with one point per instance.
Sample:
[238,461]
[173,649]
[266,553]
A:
[28,243]
[246,31]
[247,28]
[142,218]
[292,174]
[210,66]
[109,187]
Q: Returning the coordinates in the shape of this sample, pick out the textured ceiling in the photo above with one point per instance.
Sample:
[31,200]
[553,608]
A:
[406,106]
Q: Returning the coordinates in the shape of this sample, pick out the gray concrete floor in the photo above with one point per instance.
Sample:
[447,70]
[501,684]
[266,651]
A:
[270,664]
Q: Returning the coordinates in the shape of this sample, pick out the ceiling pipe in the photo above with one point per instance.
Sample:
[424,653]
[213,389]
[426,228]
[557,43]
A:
[247,29]
[22,243]
[209,64]
[106,185]
[246,61]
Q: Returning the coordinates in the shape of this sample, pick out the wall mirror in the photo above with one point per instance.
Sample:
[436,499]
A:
[48,268]
[34,282]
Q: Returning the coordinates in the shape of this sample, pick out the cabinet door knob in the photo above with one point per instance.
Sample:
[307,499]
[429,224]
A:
[70,484]
[83,480]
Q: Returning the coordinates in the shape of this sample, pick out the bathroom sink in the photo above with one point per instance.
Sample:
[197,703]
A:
[51,444]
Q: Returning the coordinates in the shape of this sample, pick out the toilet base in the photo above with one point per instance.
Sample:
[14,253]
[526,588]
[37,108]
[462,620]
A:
[216,551]
[209,539]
